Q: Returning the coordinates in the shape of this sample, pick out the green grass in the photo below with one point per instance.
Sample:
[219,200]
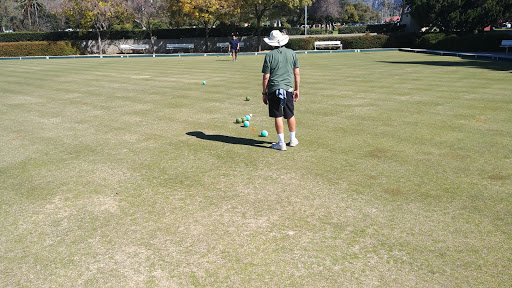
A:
[129,172]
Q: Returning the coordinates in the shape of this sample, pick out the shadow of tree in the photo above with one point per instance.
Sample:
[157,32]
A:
[230,139]
[480,64]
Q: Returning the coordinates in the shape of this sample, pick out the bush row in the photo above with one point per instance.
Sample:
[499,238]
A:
[489,41]
[472,42]
[220,31]
[19,49]
[481,42]
[355,42]
[131,34]
[380,28]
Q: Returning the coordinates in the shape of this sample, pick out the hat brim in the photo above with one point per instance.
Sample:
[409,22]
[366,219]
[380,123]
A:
[279,42]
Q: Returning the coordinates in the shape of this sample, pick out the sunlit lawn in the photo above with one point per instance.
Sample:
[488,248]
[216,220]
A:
[130,173]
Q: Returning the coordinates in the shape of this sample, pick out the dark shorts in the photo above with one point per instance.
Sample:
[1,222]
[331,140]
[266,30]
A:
[275,110]
[234,51]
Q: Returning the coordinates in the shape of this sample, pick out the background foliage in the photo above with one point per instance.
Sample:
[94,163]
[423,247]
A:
[19,49]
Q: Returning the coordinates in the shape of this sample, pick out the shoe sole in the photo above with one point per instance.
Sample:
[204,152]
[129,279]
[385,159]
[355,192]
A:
[279,149]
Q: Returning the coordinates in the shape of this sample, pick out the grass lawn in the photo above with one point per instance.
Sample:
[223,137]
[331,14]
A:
[130,173]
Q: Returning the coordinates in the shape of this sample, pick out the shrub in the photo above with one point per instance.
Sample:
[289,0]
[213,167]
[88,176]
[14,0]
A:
[355,42]
[294,31]
[364,42]
[122,33]
[352,29]
[487,41]
[380,28]
[301,43]
[428,41]
[386,28]
[318,31]
[19,49]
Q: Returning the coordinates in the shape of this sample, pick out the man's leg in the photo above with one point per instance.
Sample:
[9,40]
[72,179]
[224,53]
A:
[279,125]
[280,145]
[291,128]
[291,124]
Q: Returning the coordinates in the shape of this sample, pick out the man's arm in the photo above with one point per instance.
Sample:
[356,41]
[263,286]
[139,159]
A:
[265,83]
[296,75]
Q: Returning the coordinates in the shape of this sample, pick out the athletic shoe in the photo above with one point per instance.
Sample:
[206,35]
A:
[279,146]
[294,142]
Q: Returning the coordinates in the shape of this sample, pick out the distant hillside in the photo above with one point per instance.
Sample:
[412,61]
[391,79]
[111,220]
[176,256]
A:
[377,5]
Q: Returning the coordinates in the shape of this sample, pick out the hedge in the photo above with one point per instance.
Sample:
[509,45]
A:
[20,49]
[380,28]
[354,42]
[481,42]
[352,29]
[138,34]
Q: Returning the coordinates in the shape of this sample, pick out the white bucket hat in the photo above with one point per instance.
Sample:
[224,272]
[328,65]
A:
[276,38]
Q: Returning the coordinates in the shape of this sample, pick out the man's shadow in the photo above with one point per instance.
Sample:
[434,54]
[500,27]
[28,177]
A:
[230,139]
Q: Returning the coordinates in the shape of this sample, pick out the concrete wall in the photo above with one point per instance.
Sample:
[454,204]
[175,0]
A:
[113,46]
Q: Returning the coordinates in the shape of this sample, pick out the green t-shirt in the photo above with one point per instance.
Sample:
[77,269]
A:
[279,63]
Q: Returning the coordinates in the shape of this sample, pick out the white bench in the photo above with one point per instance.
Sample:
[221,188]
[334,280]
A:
[142,47]
[328,44]
[177,46]
[506,44]
[226,45]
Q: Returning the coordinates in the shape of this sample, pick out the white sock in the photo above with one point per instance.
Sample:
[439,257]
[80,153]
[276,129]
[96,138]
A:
[280,137]
[292,135]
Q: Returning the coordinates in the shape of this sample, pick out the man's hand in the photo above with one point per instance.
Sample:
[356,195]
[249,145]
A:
[265,98]
[295,95]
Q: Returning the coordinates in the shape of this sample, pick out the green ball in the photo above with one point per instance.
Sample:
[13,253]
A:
[247,98]
[238,120]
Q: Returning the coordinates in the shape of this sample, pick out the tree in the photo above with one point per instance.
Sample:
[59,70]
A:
[205,12]
[365,13]
[259,8]
[326,10]
[95,15]
[145,11]
[458,15]
[350,15]
[9,15]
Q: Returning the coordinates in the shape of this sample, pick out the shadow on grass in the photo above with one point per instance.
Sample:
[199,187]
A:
[481,64]
[230,139]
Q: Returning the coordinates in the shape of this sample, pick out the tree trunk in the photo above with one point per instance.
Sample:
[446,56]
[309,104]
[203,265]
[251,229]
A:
[37,16]
[100,46]
[258,31]
[207,31]
[150,29]
[29,16]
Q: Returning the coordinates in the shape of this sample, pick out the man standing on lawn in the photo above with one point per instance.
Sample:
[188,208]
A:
[280,70]
[234,47]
